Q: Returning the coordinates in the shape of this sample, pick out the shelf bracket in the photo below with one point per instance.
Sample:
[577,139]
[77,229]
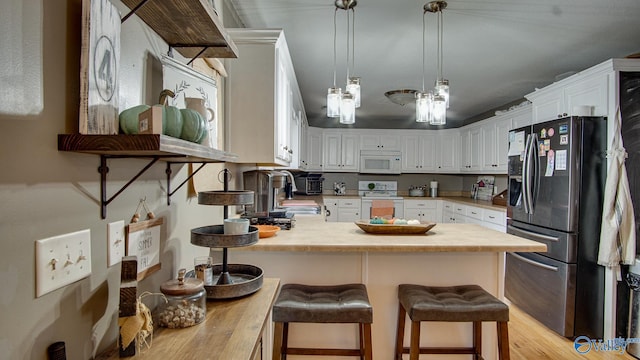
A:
[169,172]
[198,55]
[133,11]
[103,169]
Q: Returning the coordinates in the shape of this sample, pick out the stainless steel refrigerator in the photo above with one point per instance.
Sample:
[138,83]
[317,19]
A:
[557,172]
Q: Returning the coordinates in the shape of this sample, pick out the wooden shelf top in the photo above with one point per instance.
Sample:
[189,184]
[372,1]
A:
[232,330]
[188,26]
[148,145]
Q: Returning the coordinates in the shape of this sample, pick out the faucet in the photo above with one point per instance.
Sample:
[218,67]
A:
[291,181]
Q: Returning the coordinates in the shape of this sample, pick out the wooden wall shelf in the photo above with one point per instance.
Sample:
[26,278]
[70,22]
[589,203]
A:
[170,149]
[192,27]
[153,146]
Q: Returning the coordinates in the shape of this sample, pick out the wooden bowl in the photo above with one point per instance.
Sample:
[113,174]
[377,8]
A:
[397,229]
[265,231]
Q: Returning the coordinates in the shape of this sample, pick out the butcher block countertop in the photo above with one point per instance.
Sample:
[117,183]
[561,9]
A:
[312,233]
[232,329]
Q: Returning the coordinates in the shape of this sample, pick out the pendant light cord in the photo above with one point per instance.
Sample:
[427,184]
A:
[423,50]
[334,46]
[353,40]
[347,47]
[440,30]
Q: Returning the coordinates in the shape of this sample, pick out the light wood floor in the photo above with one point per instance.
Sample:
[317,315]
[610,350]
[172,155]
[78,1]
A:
[531,340]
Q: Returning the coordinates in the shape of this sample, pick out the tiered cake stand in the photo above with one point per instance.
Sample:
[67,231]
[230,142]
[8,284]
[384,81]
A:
[229,280]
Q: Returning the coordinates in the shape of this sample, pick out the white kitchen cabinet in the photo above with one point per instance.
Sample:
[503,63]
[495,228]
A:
[341,152]
[342,210]
[448,214]
[453,212]
[559,99]
[423,209]
[262,91]
[314,149]
[494,219]
[495,144]
[419,153]
[380,142]
[471,148]
[447,152]
[521,117]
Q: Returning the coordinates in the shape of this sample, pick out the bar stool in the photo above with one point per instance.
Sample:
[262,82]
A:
[464,303]
[348,303]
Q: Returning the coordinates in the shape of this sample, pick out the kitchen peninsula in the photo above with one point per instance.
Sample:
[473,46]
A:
[316,252]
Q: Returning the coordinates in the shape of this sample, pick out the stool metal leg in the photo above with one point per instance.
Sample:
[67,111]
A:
[402,314]
[503,340]
[477,340]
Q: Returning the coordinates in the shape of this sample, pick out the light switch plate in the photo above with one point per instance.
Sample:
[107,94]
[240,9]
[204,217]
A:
[62,260]
[115,242]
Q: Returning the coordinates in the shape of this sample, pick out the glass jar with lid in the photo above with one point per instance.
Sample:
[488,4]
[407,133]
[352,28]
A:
[186,302]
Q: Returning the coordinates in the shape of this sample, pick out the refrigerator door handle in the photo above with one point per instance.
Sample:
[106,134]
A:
[535,179]
[516,231]
[532,146]
[525,175]
[534,263]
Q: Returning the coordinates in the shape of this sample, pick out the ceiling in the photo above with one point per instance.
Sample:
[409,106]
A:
[495,51]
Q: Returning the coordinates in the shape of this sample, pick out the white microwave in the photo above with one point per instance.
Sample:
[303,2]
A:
[380,162]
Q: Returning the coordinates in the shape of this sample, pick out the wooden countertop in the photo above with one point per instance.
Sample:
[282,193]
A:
[231,330]
[312,233]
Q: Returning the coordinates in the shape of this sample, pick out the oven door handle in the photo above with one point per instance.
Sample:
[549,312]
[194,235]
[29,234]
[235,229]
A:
[534,263]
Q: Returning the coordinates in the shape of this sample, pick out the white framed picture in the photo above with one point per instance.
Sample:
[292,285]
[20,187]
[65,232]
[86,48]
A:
[188,83]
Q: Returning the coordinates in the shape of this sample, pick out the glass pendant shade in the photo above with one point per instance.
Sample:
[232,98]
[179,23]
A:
[442,89]
[423,107]
[439,110]
[334,96]
[347,109]
[353,87]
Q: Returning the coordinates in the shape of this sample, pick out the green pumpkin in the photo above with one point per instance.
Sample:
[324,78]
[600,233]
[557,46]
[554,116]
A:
[129,119]
[194,126]
[172,121]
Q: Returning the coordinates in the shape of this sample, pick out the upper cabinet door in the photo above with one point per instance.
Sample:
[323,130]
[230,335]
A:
[314,149]
[590,92]
[448,151]
[350,152]
[380,142]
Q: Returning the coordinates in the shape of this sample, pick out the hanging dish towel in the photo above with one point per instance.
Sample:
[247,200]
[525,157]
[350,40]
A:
[618,231]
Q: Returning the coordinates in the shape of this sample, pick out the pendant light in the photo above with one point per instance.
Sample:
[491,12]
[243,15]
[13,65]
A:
[347,102]
[424,100]
[442,84]
[441,90]
[334,94]
[343,104]
[347,109]
[353,82]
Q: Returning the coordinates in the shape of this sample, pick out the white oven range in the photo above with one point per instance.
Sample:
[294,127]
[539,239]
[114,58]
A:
[379,190]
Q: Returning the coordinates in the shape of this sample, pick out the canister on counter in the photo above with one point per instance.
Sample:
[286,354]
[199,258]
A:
[186,302]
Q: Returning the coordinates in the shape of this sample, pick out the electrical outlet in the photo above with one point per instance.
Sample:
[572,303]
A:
[62,260]
[115,242]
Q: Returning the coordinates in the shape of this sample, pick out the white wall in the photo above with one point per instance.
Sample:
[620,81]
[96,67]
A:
[44,192]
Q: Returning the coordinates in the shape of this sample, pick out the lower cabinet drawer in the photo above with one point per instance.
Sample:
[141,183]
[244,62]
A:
[495,217]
